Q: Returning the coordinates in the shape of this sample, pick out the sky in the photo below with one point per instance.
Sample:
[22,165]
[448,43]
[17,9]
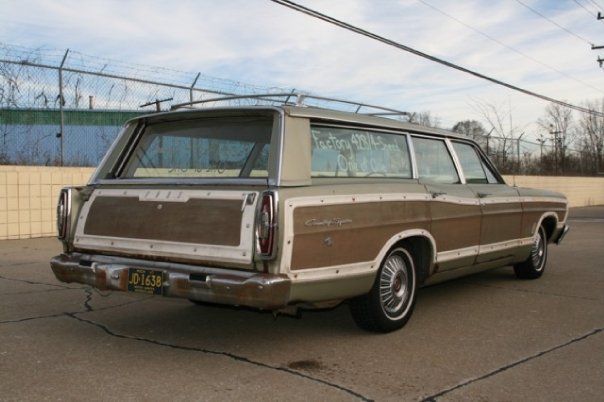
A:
[543,46]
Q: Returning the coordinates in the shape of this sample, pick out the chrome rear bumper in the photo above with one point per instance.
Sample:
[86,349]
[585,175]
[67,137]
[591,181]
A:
[561,234]
[206,284]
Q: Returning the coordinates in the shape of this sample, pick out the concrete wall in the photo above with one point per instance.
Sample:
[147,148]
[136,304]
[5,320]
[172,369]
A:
[580,191]
[28,195]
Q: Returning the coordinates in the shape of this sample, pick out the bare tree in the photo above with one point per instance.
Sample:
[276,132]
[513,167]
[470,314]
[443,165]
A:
[558,123]
[472,129]
[500,143]
[592,134]
[425,118]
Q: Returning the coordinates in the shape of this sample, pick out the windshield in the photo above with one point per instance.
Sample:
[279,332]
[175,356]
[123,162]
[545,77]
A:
[203,148]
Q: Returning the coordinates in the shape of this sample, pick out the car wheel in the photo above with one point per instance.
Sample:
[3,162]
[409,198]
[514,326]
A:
[534,265]
[389,304]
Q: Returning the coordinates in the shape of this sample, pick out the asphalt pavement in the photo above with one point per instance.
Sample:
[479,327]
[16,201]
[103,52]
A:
[488,337]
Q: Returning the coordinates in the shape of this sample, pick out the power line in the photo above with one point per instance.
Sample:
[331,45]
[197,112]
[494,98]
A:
[585,8]
[389,42]
[510,48]
[555,23]
[595,4]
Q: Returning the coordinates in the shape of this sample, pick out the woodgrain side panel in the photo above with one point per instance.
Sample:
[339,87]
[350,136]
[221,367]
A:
[455,226]
[199,221]
[341,234]
[534,210]
[501,222]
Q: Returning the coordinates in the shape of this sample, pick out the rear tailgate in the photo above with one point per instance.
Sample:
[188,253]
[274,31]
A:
[203,225]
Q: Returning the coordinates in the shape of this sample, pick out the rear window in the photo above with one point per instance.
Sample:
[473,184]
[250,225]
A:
[351,152]
[203,148]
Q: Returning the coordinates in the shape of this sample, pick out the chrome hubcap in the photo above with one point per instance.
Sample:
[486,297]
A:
[394,284]
[538,251]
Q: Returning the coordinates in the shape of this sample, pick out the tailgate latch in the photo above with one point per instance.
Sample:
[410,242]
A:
[248,199]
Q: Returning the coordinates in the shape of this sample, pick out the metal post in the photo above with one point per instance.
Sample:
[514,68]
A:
[556,140]
[518,151]
[193,86]
[489,136]
[541,141]
[61,104]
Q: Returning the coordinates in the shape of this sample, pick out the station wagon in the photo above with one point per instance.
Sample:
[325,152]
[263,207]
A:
[287,206]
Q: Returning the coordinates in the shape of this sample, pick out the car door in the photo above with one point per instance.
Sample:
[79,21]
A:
[455,209]
[500,204]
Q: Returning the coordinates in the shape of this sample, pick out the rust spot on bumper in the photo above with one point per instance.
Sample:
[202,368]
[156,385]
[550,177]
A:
[213,285]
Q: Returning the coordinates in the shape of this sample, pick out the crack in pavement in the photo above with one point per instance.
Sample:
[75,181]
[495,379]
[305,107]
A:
[58,285]
[18,264]
[87,305]
[434,397]
[88,308]
[232,356]
[484,285]
[33,292]
[40,317]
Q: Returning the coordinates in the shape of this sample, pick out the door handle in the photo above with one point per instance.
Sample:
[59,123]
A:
[483,195]
[437,193]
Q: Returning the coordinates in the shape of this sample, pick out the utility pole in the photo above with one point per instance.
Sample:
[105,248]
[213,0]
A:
[488,136]
[518,151]
[556,140]
[541,140]
[593,47]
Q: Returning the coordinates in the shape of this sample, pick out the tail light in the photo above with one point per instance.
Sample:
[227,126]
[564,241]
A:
[63,213]
[265,229]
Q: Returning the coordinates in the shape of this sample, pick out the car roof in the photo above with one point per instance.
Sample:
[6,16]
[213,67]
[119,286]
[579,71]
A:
[310,112]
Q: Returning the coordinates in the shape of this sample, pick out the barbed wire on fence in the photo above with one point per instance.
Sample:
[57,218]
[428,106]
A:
[36,85]
[63,107]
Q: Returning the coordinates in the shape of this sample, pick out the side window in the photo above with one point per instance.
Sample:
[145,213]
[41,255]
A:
[475,171]
[434,163]
[348,152]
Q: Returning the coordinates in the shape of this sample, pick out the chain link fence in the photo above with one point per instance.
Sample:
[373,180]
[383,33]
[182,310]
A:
[65,108]
[543,157]
[62,107]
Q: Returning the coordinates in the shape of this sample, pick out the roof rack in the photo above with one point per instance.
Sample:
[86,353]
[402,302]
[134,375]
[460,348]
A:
[300,99]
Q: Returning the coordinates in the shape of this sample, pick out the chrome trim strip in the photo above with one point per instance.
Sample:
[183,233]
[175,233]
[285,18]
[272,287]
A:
[280,143]
[411,147]
[505,245]
[355,198]
[445,256]
[456,200]
[544,199]
[67,193]
[456,161]
[131,144]
[562,234]
[186,181]
[500,200]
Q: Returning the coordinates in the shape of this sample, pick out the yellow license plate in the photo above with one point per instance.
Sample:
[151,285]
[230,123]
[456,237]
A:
[145,281]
